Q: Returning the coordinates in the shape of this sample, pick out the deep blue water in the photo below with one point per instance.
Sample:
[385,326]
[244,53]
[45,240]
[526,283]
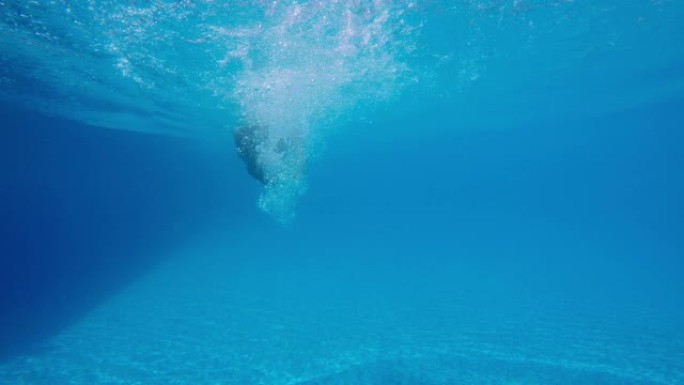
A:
[455,192]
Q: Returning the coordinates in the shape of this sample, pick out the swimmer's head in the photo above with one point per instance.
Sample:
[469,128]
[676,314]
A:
[252,141]
[247,141]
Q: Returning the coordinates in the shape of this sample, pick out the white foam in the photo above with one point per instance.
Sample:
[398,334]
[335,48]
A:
[304,65]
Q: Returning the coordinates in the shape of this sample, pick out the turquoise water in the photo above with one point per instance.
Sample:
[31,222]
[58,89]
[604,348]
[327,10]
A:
[453,192]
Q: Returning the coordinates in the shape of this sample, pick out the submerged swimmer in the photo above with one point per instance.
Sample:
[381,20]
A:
[252,142]
[247,141]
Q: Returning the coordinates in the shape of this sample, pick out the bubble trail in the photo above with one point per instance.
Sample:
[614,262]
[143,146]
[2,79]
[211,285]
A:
[302,67]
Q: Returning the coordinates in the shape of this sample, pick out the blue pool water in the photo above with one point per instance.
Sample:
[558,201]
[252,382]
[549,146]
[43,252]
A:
[441,192]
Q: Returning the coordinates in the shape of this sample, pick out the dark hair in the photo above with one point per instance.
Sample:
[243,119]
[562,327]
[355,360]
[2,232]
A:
[247,141]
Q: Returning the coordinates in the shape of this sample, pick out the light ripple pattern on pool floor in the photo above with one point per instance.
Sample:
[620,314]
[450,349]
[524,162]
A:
[313,322]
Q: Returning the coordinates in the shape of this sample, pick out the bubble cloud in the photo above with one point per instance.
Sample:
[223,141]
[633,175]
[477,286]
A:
[300,66]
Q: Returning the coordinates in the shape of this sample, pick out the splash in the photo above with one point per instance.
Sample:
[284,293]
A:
[301,67]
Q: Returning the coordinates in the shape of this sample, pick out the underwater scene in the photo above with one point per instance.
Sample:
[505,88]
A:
[332,192]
